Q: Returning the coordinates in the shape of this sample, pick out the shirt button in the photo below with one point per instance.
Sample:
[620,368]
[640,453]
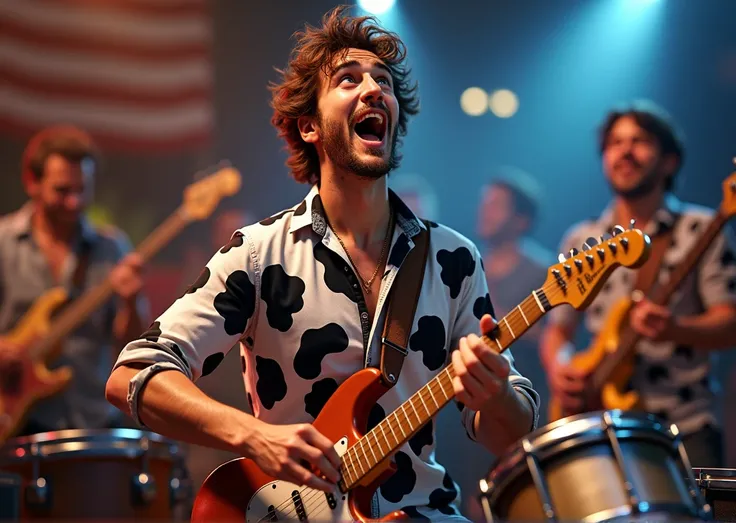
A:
[355,285]
[364,315]
[346,268]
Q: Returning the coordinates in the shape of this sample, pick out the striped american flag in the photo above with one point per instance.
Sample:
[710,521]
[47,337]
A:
[136,74]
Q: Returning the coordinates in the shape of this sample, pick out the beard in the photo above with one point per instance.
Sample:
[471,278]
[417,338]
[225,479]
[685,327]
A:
[649,182]
[338,148]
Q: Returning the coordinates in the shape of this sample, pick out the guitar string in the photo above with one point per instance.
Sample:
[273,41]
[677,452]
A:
[554,291]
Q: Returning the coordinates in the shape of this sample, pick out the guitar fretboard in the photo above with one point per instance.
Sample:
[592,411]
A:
[76,312]
[396,429]
[660,295]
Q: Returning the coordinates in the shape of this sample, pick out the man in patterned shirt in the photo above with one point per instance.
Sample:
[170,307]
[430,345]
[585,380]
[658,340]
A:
[641,154]
[305,293]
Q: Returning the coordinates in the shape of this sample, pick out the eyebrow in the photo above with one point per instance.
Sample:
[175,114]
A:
[353,63]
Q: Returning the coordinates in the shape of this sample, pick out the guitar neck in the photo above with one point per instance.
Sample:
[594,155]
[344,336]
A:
[396,429]
[660,294]
[77,311]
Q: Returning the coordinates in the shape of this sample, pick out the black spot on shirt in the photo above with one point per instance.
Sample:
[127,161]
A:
[685,351]
[237,303]
[321,392]
[657,373]
[456,266]
[685,394]
[402,482]
[376,416]
[201,281]
[429,339]
[315,345]
[727,258]
[271,385]
[179,354]
[276,217]
[483,306]
[399,250]
[211,362]
[442,498]
[235,241]
[423,438]
[336,271]
[283,295]
[153,332]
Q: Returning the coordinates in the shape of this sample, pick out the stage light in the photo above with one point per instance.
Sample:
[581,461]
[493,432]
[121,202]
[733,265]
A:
[376,7]
[503,103]
[474,101]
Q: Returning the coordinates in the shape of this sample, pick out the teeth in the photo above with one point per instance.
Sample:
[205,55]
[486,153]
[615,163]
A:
[371,115]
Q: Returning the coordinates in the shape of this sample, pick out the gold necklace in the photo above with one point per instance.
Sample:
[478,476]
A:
[384,250]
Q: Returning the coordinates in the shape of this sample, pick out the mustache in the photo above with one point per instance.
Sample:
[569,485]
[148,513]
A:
[379,105]
[627,159]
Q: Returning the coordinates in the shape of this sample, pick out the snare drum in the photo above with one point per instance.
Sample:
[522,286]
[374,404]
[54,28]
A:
[111,474]
[599,466]
[718,487]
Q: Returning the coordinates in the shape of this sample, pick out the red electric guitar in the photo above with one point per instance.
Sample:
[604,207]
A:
[239,491]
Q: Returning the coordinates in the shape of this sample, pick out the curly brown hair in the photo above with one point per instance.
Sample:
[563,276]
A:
[315,52]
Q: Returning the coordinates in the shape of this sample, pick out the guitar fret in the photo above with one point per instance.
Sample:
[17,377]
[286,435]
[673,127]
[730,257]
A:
[429,388]
[396,415]
[509,327]
[351,466]
[403,410]
[411,402]
[362,470]
[388,444]
[423,404]
[541,307]
[522,314]
[500,349]
[370,447]
[380,448]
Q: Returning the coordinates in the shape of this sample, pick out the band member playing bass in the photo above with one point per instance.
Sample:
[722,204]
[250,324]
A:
[305,293]
[49,243]
[641,155]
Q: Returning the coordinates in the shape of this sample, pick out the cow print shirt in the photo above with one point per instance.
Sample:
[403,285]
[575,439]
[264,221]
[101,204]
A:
[285,289]
[674,381]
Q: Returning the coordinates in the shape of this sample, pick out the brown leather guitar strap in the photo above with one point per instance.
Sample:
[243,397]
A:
[402,306]
[647,275]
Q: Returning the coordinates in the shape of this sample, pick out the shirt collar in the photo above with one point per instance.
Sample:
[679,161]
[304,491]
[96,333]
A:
[22,224]
[313,214]
[663,218]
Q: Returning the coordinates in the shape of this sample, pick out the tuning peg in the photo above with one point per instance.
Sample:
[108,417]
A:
[617,230]
[604,237]
[632,223]
[573,252]
[561,258]
[590,243]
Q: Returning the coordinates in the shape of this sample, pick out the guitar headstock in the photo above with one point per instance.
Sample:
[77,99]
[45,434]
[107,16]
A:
[202,197]
[728,205]
[578,278]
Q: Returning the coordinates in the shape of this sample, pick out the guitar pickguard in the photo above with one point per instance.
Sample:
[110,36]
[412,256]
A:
[284,501]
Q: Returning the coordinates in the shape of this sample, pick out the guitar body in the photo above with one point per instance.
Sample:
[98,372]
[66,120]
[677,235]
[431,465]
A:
[239,491]
[614,394]
[27,380]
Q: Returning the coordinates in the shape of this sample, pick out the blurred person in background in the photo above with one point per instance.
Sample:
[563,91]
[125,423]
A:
[49,242]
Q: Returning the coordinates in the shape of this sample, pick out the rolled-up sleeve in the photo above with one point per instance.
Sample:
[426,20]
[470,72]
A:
[476,302]
[195,333]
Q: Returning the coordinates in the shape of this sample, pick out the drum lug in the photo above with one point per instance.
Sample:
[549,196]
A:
[38,493]
[143,484]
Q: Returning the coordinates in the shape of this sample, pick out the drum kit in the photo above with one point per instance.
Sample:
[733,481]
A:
[603,466]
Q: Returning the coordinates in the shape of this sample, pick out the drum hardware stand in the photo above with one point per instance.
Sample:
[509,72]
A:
[38,493]
[143,484]
[609,425]
[704,509]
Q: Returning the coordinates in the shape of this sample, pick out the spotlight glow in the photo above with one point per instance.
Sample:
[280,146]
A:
[503,103]
[376,7]
[474,101]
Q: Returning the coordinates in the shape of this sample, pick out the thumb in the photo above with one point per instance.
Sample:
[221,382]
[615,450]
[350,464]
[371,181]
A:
[487,324]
